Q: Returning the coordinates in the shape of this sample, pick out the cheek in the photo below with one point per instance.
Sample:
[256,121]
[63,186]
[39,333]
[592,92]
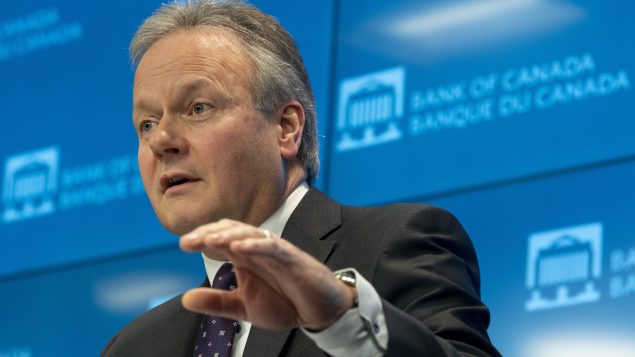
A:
[146,166]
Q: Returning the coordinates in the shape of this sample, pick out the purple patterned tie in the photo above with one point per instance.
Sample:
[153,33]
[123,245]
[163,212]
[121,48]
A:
[216,334]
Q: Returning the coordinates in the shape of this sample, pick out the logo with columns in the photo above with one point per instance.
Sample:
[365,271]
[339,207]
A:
[564,266]
[370,109]
[30,184]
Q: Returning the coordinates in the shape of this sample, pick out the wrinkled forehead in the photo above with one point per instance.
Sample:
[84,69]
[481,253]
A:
[215,53]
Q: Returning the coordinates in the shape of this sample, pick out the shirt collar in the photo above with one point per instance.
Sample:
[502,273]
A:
[275,224]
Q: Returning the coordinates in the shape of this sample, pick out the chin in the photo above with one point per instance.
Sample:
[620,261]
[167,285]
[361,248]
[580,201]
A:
[179,225]
[186,221]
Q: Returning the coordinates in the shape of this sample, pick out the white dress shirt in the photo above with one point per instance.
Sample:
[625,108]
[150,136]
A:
[361,331]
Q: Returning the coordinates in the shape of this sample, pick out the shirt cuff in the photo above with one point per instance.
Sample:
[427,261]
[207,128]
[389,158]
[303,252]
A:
[361,331]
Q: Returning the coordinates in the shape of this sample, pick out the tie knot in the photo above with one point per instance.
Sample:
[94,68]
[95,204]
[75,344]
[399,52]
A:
[225,278]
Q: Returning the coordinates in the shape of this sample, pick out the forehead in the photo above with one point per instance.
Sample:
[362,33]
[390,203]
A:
[214,53]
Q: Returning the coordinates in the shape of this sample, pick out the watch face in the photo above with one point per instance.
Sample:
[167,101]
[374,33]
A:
[347,277]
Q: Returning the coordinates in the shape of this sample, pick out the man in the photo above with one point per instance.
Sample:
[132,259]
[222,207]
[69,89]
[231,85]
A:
[227,150]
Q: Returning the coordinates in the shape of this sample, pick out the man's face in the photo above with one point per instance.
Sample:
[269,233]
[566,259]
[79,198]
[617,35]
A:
[204,152]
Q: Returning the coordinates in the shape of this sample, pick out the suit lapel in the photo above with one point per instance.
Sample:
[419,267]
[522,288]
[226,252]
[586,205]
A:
[184,326]
[310,223]
[315,217]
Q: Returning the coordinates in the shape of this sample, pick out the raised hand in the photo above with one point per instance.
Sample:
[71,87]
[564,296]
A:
[279,285]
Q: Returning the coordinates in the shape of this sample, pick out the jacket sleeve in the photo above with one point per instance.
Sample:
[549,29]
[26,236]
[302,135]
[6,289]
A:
[428,277]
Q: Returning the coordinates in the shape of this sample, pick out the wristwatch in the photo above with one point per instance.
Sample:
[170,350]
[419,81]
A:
[348,278]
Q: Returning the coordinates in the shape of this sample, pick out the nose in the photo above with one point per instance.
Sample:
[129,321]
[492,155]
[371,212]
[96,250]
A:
[167,139]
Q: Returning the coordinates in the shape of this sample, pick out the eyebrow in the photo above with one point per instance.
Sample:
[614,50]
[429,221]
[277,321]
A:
[187,87]
[182,90]
[193,85]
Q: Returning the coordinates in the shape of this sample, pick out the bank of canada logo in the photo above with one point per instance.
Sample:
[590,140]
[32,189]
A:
[563,267]
[370,108]
[29,185]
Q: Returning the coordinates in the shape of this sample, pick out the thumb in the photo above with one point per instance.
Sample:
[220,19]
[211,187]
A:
[215,302]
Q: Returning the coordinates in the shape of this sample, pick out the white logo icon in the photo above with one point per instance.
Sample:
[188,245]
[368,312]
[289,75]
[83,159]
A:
[30,182]
[563,266]
[369,109]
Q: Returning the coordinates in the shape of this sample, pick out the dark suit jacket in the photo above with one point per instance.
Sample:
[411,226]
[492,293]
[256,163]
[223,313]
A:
[418,258]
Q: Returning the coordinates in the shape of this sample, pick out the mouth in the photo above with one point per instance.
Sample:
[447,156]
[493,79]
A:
[174,180]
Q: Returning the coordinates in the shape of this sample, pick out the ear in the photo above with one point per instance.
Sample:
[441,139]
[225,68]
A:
[290,128]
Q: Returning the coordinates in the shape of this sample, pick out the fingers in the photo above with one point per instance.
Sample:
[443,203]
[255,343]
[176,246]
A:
[240,242]
[199,238]
[318,299]
[219,234]
[214,302]
[277,251]
[279,285]
[269,257]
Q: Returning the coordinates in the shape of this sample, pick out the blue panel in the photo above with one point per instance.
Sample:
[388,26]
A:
[437,96]
[75,312]
[431,99]
[66,110]
[69,180]
[538,302]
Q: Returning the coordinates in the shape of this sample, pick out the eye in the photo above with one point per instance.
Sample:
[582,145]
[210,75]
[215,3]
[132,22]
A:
[200,108]
[147,125]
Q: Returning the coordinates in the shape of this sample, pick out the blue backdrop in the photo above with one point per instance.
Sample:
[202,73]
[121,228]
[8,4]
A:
[515,115]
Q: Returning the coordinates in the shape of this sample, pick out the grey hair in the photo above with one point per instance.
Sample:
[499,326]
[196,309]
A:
[279,73]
